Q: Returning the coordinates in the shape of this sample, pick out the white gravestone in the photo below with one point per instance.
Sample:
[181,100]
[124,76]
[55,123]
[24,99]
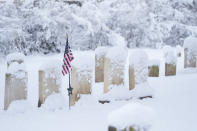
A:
[114,67]
[190,52]
[138,68]
[49,80]
[16,79]
[100,53]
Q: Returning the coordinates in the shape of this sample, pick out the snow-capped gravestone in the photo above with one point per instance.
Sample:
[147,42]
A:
[114,67]
[153,68]
[16,79]
[15,57]
[82,75]
[131,117]
[49,79]
[170,62]
[100,53]
[138,68]
[190,51]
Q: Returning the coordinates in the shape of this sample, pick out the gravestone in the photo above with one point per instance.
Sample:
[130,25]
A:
[49,80]
[75,85]
[15,79]
[138,68]
[114,67]
[81,80]
[15,57]
[153,71]
[82,75]
[100,53]
[190,52]
[189,59]
[170,69]
[131,78]
[170,62]
[153,68]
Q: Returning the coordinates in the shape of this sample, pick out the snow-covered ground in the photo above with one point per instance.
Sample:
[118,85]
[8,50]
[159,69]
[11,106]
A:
[174,102]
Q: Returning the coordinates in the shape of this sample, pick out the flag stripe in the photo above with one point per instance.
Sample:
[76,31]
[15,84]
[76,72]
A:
[68,57]
[64,69]
[67,62]
[63,73]
[67,68]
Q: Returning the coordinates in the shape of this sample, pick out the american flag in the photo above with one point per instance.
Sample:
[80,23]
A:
[68,57]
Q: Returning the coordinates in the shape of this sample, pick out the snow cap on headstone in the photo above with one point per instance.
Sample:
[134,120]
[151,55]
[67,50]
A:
[138,58]
[83,61]
[101,51]
[133,114]
[117,54]
[170,56]
[191,43]
[52,65]
[15,57]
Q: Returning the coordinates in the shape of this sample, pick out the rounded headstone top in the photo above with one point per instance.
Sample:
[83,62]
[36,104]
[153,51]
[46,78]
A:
[51,65]
[190,43]
[84,61]
[117,54]
[101,51]
[15,57]
[171,57]
[138,57]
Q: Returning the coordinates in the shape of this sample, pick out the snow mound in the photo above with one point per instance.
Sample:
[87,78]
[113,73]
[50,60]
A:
[117,92]
[132,114]
[101,51]
[87,100]
[154,62]
[117,54]
[15,57]
[139,61]
[55,102]
[19,106]
[142,90]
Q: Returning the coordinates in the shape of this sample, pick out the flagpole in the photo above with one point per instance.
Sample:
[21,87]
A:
[68,57]
[69,93]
